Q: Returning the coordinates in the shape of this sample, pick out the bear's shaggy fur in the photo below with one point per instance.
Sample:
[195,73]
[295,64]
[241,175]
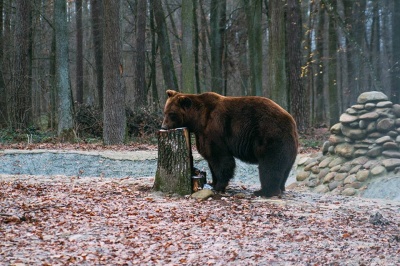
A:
[255,130]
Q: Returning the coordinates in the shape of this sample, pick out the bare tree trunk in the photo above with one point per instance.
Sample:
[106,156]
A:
[140,99]
[332,77]
[79,52]
[254,29]
[319,107]
[97,28]
[204,36]
[165,50]
[375,44]
[395,73]
[175,163]
[153,67]
[278,88]
[21,101]
[114,120]
[299,96]
[196,48]
[65,117]
[3,98]
[52,123]
[188,67]
[217,43]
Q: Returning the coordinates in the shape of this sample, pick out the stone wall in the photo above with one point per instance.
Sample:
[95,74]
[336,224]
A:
[364,146]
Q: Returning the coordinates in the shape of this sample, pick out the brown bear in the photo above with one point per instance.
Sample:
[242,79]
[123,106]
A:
[253,129]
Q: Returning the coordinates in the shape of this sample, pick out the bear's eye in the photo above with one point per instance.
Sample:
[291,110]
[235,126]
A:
[173,116]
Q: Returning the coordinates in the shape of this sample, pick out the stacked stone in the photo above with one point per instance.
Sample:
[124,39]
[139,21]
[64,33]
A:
[362,147]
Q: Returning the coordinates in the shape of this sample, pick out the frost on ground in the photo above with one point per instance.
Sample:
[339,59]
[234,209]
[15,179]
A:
[98,221]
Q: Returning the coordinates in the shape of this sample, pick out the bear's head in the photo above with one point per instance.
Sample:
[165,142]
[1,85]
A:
[175,110]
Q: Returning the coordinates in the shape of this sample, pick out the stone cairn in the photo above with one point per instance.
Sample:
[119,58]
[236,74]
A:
[361,148]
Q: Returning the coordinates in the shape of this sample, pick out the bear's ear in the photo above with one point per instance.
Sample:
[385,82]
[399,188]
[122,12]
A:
[185,102]
[171,93]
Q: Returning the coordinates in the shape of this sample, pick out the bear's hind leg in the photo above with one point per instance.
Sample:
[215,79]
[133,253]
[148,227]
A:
[222,171]
[287,172]
[270,178]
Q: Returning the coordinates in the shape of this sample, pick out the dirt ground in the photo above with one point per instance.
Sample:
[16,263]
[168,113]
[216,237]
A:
[62,220]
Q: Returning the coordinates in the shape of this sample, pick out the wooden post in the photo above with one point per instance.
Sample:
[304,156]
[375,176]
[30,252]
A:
[175,162]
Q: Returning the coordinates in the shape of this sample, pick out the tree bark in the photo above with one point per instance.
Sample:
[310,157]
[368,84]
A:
[254,29]
[217,44]
[332,41]
[79,52]
[175,163]
[21,97]
[153,65]
[114,120]
[65,117]
[299,97]
[395,73]
[3,98]
[165,50]
[278,88]
[188,70]
[140,99]
[97,29]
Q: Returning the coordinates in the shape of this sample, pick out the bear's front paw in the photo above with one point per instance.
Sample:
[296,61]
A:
[219,188]
[268,194]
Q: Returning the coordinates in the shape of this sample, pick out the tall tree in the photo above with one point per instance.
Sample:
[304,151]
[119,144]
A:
[355,18]
[277,84]
[217,44]
[97,29]
[188,68]
[79,52]
[395,77]
[65,115]
[140,99]
[319,114]
[204,36]
[196,47]
[254,28]
[153,70]
[114,116]
[3,98]
[21,105]
[299,98]
[329,61]
[167,64]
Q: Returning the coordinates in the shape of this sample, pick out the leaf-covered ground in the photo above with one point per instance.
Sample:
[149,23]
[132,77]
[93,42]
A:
[95,221]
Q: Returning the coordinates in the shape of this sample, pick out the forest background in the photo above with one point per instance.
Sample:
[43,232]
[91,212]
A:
[100,68]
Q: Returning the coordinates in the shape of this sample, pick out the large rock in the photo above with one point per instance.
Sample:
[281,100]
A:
[303,175]
[391,154]
[385,125]
[345,150]
[375,152]
[383,140]
[396,110]
[384,104]
[202,194]
[371,96]
[354,133]
[362,175]
[336,128]
[346,118]
[369,116]
[391,164]
[325,162]
[335,139]
[349,192]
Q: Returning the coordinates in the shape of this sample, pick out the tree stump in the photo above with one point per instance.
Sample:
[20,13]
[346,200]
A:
[175,162]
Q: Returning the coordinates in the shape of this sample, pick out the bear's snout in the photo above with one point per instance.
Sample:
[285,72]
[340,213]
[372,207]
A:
[164,125]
